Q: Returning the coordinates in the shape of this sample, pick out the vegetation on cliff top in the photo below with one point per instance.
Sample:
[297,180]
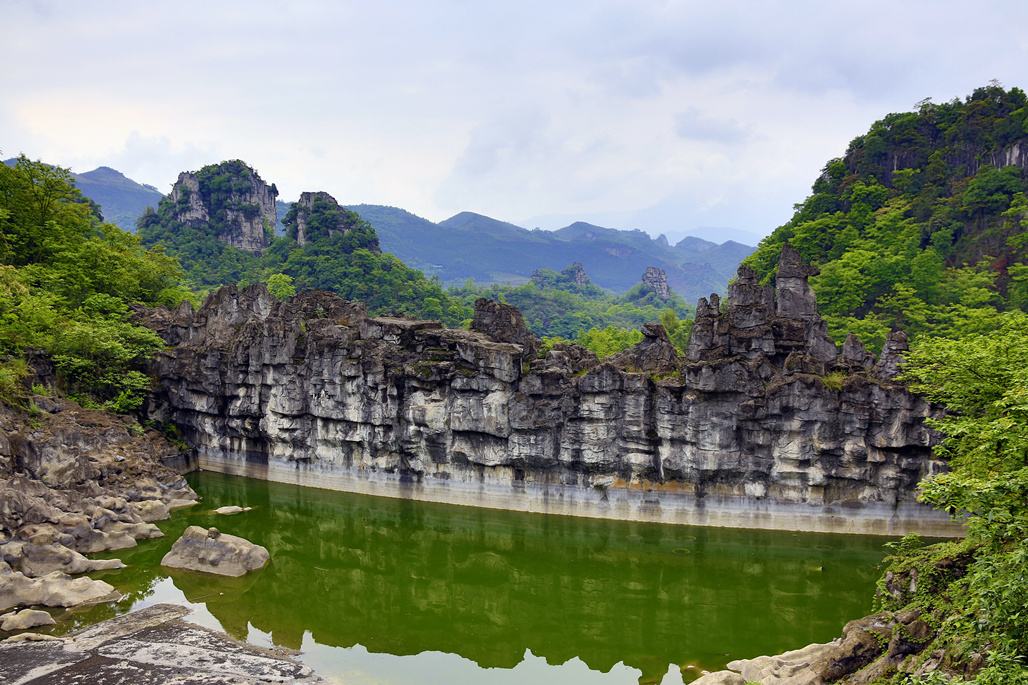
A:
[557,305]
[67,281]
[341,254]
[922,224]
[347,263]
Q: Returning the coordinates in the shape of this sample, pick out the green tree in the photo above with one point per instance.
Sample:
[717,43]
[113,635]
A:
[281,286]
[982,379]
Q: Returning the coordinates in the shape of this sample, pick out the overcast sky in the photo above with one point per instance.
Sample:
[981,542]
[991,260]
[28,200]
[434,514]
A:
[666,116]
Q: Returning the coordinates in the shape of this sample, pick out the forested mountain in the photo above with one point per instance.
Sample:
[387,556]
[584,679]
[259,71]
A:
[220,223]
[922,223]
[122,200]
[487,250]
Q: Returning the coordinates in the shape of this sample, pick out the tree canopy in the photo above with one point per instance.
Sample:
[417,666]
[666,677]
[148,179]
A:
[921,224]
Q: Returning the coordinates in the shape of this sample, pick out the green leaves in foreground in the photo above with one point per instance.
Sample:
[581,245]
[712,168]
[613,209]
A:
[982,380]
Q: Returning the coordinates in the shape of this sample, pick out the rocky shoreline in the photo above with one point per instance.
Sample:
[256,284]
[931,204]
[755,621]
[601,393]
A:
[74,482]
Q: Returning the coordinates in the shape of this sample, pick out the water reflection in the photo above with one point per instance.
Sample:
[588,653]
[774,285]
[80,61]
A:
[503,590]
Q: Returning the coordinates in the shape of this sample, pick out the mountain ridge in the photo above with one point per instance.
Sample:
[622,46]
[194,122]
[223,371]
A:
[471,245]
[487,250]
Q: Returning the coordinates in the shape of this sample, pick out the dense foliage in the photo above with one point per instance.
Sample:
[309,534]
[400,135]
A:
[67,281]
[555,304]
[976,590]
[922,224]
[381,281]
[341,253]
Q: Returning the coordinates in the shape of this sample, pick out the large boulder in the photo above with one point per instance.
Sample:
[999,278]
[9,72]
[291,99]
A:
[210,551]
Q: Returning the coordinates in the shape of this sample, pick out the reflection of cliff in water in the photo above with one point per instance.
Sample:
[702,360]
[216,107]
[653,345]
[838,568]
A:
[403,577]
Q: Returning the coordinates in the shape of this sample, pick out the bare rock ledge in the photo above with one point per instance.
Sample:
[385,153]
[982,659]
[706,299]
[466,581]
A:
[154,646]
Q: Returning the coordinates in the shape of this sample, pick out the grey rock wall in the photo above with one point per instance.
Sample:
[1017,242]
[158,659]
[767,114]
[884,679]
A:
[763,424]
[244,219]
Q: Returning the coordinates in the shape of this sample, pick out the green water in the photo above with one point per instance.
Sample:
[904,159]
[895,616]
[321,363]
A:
[377,590]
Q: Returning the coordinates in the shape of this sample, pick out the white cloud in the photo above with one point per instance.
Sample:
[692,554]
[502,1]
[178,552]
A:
[666,116]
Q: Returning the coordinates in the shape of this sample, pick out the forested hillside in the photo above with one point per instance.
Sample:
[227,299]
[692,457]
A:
[219,221]
[121,199]
[922,224]
[67,282]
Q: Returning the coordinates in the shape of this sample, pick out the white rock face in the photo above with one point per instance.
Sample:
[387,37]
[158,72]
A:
[25,619]
[210,551]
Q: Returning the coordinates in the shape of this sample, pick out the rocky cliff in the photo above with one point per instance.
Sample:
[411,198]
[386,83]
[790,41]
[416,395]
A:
[317,215]
[763,424]
[230,199]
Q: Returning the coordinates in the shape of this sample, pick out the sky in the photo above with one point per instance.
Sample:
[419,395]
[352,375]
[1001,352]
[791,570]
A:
[683,118]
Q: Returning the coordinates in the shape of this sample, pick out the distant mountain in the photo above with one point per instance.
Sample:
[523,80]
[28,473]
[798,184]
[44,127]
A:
[122,200]
[470,245]
[487,250]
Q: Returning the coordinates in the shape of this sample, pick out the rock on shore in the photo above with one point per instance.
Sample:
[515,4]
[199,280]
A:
[872,648]
[211,551]
[25,619]
[153,646]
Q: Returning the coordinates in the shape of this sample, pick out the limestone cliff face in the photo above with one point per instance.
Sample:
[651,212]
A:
[230,198]
[763,424]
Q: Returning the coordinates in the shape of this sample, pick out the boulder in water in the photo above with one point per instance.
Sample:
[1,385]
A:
[211,551]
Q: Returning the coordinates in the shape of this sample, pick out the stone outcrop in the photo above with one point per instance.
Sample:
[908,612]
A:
[318,215]
[74,482]
[577,273]
[655,278]
[241,211]
[503,323]
[211,551]
[762,424]
[150,646]
[572,275]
